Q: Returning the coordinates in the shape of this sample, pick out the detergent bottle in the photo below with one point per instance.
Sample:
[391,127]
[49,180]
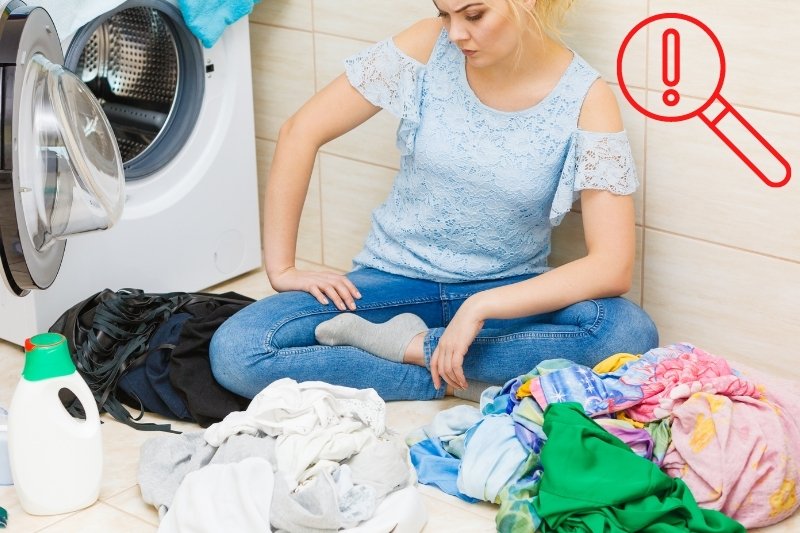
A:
[56,460]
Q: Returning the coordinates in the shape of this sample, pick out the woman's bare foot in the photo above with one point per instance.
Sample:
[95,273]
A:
[415,355]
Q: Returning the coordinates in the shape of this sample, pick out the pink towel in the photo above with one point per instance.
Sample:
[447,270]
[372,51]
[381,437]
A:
[739,454]
[673,379]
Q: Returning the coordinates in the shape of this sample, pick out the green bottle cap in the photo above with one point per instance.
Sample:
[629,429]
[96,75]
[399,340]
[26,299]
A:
[47,356]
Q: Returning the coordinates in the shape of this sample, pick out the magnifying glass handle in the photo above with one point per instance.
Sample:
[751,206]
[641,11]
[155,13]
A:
[728,123]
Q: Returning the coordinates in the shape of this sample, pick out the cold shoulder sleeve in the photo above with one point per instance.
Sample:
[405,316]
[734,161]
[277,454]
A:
[392,80]
[594,160]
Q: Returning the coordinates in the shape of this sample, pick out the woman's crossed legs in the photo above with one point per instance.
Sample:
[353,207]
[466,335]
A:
[274,338]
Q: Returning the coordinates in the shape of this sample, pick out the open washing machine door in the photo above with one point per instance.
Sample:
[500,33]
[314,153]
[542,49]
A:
[60,168]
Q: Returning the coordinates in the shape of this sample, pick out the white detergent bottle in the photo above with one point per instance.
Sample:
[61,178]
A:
[56,460]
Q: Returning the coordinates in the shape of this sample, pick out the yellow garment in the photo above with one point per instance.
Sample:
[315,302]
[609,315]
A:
[524,390]
[635,423]
[614,362]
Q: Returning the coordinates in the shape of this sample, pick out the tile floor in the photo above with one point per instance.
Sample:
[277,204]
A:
[121,509]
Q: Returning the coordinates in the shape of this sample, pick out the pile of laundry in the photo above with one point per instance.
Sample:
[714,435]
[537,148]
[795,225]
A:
[303,457]
[672,438]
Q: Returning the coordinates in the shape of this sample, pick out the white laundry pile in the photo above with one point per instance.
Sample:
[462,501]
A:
[312,421]
[318,459]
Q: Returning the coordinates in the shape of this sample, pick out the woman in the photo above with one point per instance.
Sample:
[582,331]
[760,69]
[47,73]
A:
[501,129]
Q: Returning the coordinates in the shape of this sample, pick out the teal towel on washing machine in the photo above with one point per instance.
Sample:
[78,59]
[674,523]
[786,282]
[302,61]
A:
[207,19]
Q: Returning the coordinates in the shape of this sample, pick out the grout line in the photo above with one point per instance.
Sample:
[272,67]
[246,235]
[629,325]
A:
[348,37]
[321,265]
[334,154]
[105,498]
[723,245]
[354,159]
[85,511]
[629,85]
[740,105]
[73,513]
[133,515]
[321,210]
[317,157]
[643,225]
[642,269]
[281,26]
[316,32]
[314,52]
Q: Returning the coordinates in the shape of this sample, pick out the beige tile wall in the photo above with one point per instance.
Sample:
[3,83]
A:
[718,252]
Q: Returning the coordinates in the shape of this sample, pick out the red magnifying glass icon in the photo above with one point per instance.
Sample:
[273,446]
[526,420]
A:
[715,111]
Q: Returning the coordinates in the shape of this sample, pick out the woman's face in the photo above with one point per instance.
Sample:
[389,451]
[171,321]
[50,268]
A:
[484,31]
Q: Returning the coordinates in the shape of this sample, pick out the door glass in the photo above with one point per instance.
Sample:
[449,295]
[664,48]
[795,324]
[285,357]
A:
[71,177]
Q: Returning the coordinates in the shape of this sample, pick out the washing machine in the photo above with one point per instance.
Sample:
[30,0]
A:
[182,122]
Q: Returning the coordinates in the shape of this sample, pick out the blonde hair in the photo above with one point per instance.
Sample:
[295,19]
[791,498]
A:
[542,18]
[545,16]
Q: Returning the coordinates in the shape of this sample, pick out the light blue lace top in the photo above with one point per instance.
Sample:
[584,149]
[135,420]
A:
[478,189]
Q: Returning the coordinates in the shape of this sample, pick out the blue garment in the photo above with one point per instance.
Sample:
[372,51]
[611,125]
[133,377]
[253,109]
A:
[157,369]
[207,19]
[274,337]
[478,189]
[492,455]
[449,427]
[149,382]
[436,467]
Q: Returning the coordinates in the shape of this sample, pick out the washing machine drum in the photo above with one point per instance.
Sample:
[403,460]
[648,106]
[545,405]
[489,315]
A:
[61,171]
[147,70]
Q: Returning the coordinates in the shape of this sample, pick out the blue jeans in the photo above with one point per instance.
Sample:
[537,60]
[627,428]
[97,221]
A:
[274,337]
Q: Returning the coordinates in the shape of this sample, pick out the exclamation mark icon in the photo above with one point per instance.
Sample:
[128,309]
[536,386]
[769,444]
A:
[714,110]
[671,64]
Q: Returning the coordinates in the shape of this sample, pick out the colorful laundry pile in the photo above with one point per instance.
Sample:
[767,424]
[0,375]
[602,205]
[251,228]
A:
[302,457]
[733,438]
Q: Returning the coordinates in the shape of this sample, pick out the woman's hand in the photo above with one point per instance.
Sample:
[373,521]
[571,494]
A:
[321,285]
[448,357]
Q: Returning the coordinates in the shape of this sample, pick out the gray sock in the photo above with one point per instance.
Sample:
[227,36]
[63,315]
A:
[388,340]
